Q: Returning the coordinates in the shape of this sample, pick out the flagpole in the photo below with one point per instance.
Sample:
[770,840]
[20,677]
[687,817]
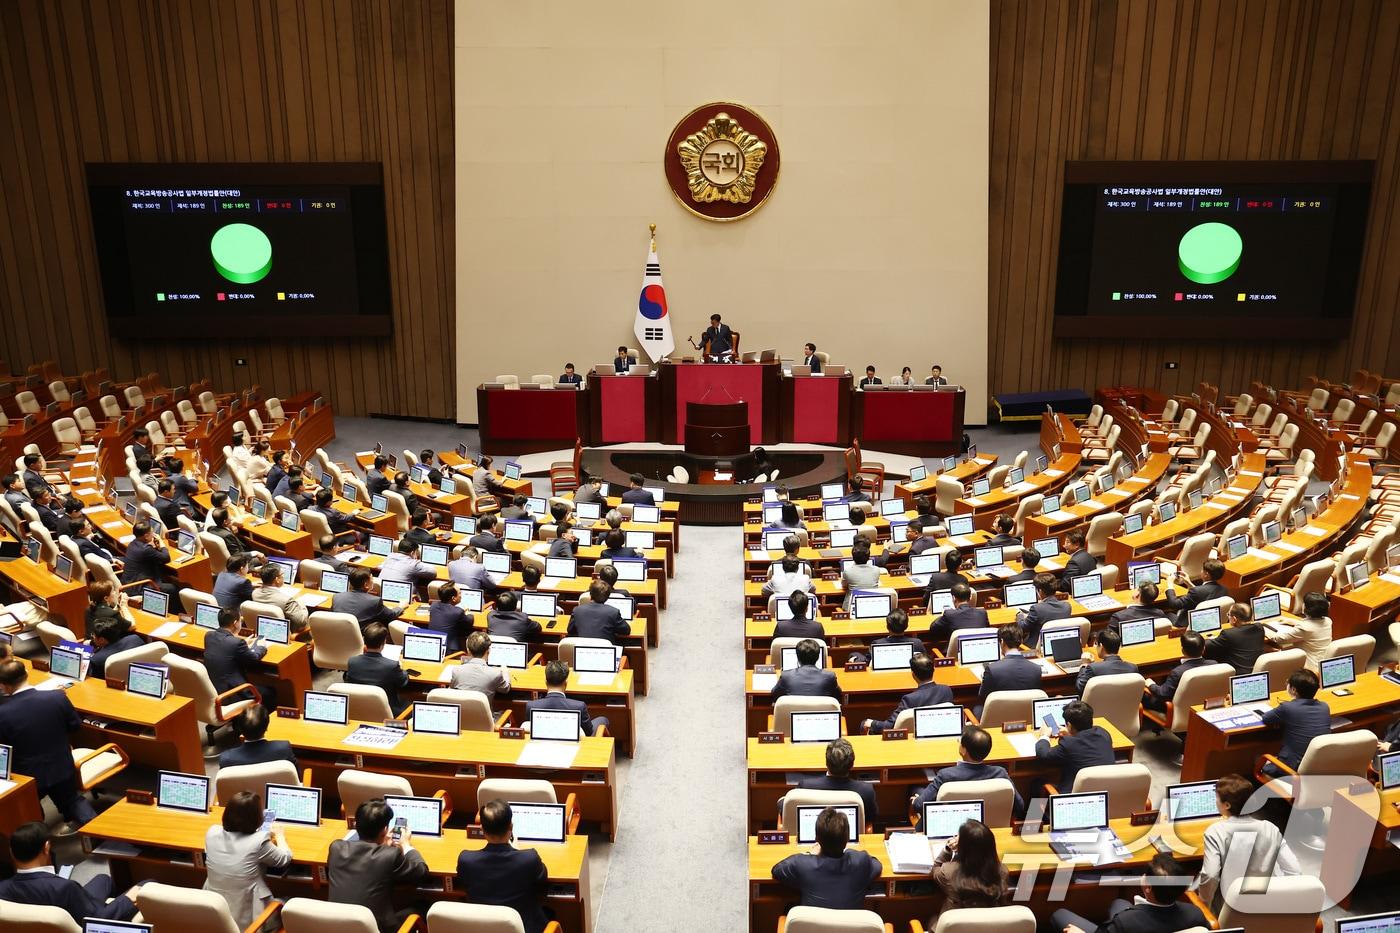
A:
[653,237]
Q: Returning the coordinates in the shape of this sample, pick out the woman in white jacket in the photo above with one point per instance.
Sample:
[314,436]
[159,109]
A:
[236,855]
[1313,633]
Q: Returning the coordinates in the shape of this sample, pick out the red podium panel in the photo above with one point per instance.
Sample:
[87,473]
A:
[720,383]
[624,408]
[917,423]
[817,409]
[530,420]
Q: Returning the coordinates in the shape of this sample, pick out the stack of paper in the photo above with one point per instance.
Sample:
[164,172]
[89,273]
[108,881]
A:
[168,630]
[545,754]
[1024,743]
[374,737]
[764,682]
[910,853]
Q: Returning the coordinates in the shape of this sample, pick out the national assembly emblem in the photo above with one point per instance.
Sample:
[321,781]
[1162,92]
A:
[722,161]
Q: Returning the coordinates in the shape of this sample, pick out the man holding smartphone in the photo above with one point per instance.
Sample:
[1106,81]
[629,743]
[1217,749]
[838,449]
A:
[365,870]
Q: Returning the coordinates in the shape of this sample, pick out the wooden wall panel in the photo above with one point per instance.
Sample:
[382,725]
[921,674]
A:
[1184,79]
[211,80]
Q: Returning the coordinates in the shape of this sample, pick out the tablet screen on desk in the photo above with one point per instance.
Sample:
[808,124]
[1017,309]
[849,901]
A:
[596,659]
[1133,523]
[1338,671]
[938,722]
[892,507]
[843,537]
[272,629]
[380,546]
[870,605]
[807,822]
[942,820]
[1205,620]
[1069,812]
[556,725]
[646,514]
[982,649]
[890,657]
[1166,511]
[836,512]
[587,511]
[495,562]
[434,555]
[147,680]
[538,822]
[640,539]
[64,662]
[920,564]
[560,568]
[539,605]
[206,616]
[511,654]
[295,804]
[1388,766]
[178,791]
[115,926]
[5,751]
[519,530]
[959,525]
[1192,801]
[325,707]
[1371,923]
[424,814]
[1249,688]
[472,600]
[789,658]
[423,645]
[1137,632]
[437,718]
[154,601]
[1016,595]
[918,473]
[626,606]
[335,582]
[816,726]
[464,524]
[785,610]
[396,591]
[630,570]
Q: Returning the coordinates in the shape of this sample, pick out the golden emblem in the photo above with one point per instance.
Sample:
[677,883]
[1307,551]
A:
[721,161]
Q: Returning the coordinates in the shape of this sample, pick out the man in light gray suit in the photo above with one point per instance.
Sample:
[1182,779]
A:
[475,674]
[365,870]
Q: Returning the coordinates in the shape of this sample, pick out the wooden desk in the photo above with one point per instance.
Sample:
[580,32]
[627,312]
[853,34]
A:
[1211,751]
[817,409]
[458,765]
[36,583]
[1034,867]
[19,804]
[1366,609]
[1141,485]
[758,560]
[894,767]
[268,536]
[172,851]
[964,472]
[1005,500]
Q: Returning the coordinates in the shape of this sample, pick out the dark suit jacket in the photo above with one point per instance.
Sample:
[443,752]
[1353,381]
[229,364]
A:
[232,542]
[639,497]
[1013,672]
[813,361]
[98,666]
[45,889]
[620,553]
[1091,747]
[800,628]
[420,536]
[940,580]
[514,624]
[561,547]
[379,671]
[232,589]
[258,752]
[1003,541]
[560,701]
[36,724]
[721,339]
[837,883]
[569,379]
[169,511]
[144,562]
[1112,664]
[1167,688]
[592,620]
[807,681]
[1078,564]
[1024,576]
[375,482]
[1046,610]
[274,477]
[87,546]
[871,381]
[1155,918]
[1134,614]
[365,607]
[827,782]
[504,875]
[228,657]
[488,542]
[365,873]
[621,364]
[1302,721]
[929,694]
[452,621]
[1193,597]
[962,771]
[955,620]
[1238,646]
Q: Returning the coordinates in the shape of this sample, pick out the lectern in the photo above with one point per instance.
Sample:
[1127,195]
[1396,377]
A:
[717,430]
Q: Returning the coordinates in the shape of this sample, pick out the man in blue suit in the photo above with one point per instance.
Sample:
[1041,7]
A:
[1109,641]
[1014,671]
[556,675]
[973,749]
[372,669]
[962,615]
[1082,745]
[1303,718]
[807,680]
[834,877]
[36,883]
[840,760]
[596,619]
[256,750]
[503,875]
[1046,609]
[1192,647]
[36,724]
[927,693]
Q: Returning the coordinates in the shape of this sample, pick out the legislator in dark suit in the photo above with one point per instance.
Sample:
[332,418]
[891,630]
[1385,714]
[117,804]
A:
[1078,564]
[232,589]
[169,511]
[97,666]
[229,659]
[1093,746]
[145,562]
[488,542]
[45,889]
[955,620]
[1036,615]
[1110,664]
[36,724]
[561,547]
[375,670]
[561,702]
[258,752]
[365,607]
[365,873]
[865,789]
[1134,614]
[962,771]
[940,580]
[808,680]
[814,361]
[638,496]
[804,628]
[598,620]
[838,883]
[929,694]
[504,875]
[1159,694]
[1003,540]
[1301,720]
[1014,671]
[452,621]
[513,624]
[1238,646]
[569,379]
[717,340]
[1183,604]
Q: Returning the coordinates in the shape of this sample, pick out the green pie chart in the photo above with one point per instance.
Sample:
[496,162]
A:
[242,253]
[1209,253]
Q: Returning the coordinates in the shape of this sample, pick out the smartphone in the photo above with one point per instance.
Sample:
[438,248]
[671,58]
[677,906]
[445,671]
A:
[269,817]
[400,827]
[1050,723]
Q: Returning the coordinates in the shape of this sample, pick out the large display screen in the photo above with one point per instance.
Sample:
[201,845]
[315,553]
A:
[263,249]
[1228,245]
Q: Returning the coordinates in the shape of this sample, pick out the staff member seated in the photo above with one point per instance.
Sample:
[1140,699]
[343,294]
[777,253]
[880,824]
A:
[799,626]
[569,378]
[1082,744]
[810,357]
[973,748]
[897,628]
[834,877]
[1238,840]
[635,494]
[501,874]
[358,601]
[927,693]
[807,680]
[1014,670]
[1003,526]
[840,761]
[622,362]
[870,378]
[1161,908]
[35,882]
[1207,589]
[1109,641]
[256,749]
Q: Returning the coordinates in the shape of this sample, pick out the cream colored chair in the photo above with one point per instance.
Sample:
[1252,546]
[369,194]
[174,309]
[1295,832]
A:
[1005,706]
[1361,647]
[1318,399]
[543,380]
[678,475]
[1128,786]
[97,765]
[1280,665]
[826,920]
[1195,449]
[1242,404]
[119,663]
[255,778]
[28,403]
[82,416]
[1294,901]
[476,715]
[31,918]
[216,549]
[188,416]
[58,391]
[111,408]
[786,706]
[135,398]
[315,524]
[997,476]
[309,572]
[510,381]
[1101,528]
[1283,449]
[190,679]
[1014,919]
[355,787]
[1340,754]
[51,633]
[1102,450]
[335,639]
[208,403]
[776,646]
[367,702]
[1312,578]
[1028,507]
[1195,687]
[1380,449]
[274,409]
[313,915]
[69,549]
[958,635]
[1117,697]
[797,797]
[998,798]
[397,508]
[248,612]
[455,917]
[65,431]
[947,491]
[1194,554]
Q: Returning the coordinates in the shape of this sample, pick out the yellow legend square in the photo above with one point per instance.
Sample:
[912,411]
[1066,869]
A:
[282,296]
[1239,297]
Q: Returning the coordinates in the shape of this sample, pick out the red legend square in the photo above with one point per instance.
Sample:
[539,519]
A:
[221,296]
[1179,296]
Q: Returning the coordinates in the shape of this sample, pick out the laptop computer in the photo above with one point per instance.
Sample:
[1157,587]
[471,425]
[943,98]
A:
[1088,592]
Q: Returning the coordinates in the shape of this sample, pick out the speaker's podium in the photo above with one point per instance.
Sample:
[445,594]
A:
[717,430]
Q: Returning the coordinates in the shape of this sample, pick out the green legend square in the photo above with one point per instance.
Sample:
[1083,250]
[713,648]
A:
[160,296]
[1117,296]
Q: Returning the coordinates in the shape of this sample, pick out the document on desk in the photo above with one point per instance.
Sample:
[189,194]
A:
[910,853]
[1391,577]
[312,600]
[113,848]
[1053,472]
[1021,487]
[1313,530]
[1261,553]
[1218,506]
[112,526]
[595,680]
[1024,743]
[1231,717]
[758,554]
[974,502]
[545,754]
[168,630]
[1288,546]
[764,682]
[962,541]
[392,652]
[374,737]
[1250,473]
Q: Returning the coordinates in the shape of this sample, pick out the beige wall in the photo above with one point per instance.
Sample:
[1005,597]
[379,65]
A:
[873,245]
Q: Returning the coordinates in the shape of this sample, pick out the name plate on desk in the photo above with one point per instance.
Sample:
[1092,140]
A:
[1144,818]
[288,712]
[115,683]
[772,837]
[770,738]
[762,617]
[764,669]
[853,666]
[1013,725]
[511,732]
[840,615]
[919,611]
[474,831]
[894,735]
[400,725]
[143,797]
[944,662]
[1215,702]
